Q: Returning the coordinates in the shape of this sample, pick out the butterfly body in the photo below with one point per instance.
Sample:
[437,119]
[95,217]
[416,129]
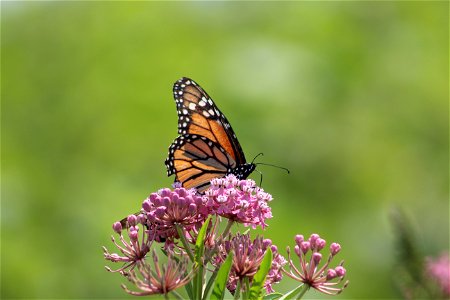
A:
[207,146]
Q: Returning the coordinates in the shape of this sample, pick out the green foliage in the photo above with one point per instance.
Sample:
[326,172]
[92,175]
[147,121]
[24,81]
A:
[220,283]
[198,260]
[352,97]
[257,287]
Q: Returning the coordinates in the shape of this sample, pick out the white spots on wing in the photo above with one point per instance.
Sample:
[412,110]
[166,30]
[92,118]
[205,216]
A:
[185,111]
[202,102]
[192,106]
[184,124]
[206,114]
[180,92]
[211,112]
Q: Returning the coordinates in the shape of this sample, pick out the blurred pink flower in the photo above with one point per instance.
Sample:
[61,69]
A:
[439,270]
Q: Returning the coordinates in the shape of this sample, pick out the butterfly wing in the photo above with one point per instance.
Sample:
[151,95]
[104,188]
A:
[196,160]
[197,114]
[207,147]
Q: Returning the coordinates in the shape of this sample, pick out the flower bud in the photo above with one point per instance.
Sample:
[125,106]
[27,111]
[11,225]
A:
[147,205]
[267,243]
[331,274]
[320,244]
[305,246]
[340,271]
[165,201]
[133,235]
[299,238]
[132,220]
[192,207]
[312,240]
[316,257]
[335,248]
[117,227]
[160,211]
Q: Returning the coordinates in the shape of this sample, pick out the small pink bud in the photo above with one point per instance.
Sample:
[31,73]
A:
[156,201]
[160,211]
[267,243]
[316,257]
[299,238]
[175,197]
[192,207]
[320,244]
[165,201]
[305,246]
[274,248]
[141,219]
[331,274]
[117,227]
[181,201]
[297,250]
[131,220]
[335,248]
[165,192]
[147,205]
[312,239]
[153,196]
[340,271]
[151,217]
[133,235]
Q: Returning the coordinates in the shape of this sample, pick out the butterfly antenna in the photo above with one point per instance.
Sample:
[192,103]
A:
[259,154]
[270,165]
[261,178]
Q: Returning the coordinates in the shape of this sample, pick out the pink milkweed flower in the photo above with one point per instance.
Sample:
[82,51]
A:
[439,270]
[168,208]
[133,251]
[159,279]
[247,258]
[321,278]
[239,200]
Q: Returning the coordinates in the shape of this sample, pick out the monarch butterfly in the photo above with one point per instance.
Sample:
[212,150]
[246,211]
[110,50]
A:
[206,147]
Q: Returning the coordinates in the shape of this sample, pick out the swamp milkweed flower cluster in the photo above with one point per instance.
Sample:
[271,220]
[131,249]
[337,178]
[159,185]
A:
[205,256]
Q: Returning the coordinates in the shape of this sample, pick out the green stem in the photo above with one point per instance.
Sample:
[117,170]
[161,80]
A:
[305,289]
[246,292]
[237,292]
[184,242]
[227,229]
[177,296]
[210,282]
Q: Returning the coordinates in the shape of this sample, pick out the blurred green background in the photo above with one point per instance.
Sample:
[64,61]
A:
[352,97]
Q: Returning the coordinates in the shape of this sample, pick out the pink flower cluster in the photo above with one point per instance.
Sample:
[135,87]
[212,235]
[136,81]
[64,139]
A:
[166,209]
[133,251]
[239,200]
[247,258]
[310,272]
